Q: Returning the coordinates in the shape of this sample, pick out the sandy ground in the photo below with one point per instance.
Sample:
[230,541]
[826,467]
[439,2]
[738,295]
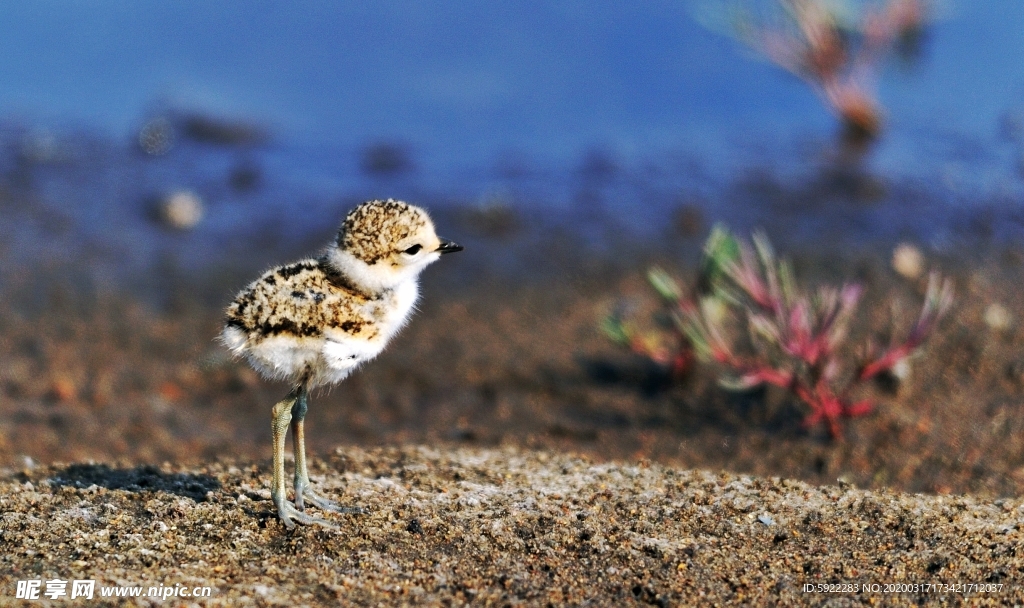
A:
[505,527]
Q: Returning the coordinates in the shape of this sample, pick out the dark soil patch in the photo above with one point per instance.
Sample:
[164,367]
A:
[497,359]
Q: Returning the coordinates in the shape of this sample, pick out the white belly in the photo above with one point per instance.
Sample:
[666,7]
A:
[278,357]
[340,357]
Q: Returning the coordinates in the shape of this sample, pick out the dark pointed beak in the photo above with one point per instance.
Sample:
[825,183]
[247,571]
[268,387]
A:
[449,247]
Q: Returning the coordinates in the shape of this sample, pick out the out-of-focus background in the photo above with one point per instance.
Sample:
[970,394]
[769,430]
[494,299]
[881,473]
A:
[155,156]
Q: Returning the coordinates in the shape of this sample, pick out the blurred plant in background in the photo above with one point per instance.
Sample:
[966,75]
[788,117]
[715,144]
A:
[837,46]
[668,347]
[758,327]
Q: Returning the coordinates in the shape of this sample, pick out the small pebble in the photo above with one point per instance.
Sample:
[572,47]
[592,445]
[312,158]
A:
[908,261]
[182,210]
[901,370]
[63,389]
[997,317]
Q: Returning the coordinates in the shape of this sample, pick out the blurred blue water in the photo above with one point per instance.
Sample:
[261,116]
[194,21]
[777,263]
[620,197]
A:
[494,101]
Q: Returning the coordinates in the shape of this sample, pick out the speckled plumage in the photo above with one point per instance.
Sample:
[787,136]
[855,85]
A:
[314,321]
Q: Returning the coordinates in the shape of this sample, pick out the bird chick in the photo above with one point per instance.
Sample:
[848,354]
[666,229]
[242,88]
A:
[312,322]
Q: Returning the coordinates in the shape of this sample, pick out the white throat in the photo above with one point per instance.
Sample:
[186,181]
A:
[369,279]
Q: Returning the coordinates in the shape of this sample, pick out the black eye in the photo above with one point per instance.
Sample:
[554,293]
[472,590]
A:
[414,249]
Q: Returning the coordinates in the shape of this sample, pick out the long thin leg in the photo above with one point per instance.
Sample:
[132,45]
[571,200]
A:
[299,446]
[279,427]
[303,489]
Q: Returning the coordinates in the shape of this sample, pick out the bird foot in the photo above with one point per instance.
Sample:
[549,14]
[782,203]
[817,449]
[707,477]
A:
[290,514]
[304,493]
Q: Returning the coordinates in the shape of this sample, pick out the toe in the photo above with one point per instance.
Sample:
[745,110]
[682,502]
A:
[289,515]
[286,519]
[329,505]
